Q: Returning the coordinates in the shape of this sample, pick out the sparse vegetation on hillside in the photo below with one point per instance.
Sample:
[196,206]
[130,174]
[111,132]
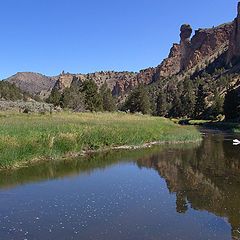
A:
[9,91]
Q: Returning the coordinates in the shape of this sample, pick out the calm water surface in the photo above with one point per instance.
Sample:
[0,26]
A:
[168,192]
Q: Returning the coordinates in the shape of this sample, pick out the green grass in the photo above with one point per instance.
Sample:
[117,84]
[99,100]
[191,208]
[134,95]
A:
[33,137]
[199,122]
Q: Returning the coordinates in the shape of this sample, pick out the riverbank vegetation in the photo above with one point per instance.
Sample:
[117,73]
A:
[32,137]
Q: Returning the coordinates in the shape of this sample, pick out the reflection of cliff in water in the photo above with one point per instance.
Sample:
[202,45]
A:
[206,178]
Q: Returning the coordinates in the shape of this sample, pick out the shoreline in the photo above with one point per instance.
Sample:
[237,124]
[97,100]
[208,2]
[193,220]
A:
[85,153]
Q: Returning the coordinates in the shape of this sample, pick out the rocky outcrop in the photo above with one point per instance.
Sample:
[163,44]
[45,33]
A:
[64,81]
[185,45]
[234,43]
[208,44]
[118,82]
[204,47]
[171,65]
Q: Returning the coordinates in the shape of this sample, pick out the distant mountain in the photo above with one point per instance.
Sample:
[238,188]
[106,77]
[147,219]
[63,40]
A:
[33,83]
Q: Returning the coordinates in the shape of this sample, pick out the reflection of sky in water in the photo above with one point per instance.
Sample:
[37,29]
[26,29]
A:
[120,202]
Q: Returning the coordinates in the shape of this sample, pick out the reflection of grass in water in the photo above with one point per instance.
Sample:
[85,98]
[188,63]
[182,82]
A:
[28,137]
[221,125]
[72,167]
[226,126]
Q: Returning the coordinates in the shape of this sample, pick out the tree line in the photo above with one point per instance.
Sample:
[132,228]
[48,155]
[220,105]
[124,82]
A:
[198,98]
[84,96]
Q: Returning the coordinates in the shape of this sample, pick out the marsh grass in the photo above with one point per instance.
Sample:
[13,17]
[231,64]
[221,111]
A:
[33,137]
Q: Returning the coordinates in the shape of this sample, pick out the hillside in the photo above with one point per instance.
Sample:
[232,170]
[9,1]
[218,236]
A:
[33,83]
[10,92]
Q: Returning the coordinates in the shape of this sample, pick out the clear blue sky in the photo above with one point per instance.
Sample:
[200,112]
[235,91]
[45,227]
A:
[49,36]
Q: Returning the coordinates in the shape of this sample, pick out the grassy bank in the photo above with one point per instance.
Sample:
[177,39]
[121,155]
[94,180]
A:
[33,137]
[220,125]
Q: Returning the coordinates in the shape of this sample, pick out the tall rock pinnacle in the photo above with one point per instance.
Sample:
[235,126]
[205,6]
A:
[185,45]
[234,44]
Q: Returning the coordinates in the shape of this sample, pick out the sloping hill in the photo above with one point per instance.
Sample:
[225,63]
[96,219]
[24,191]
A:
[33,83]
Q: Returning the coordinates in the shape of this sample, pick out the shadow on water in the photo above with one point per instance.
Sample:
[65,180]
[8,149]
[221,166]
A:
[204,176]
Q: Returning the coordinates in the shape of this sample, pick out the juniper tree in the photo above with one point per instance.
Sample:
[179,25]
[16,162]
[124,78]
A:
[74,99]
[138,101]
[161,104]
[188,99]
[108,101]
[200,105]
[55,97]
[93,101]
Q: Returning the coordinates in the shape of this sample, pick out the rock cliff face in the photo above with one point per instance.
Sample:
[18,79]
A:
[234,43]
[118,82]
[171,65]
[200,50]
[204,47]
[64,81]
[207,44]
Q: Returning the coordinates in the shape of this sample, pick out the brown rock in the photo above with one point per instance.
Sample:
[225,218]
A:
[234,43]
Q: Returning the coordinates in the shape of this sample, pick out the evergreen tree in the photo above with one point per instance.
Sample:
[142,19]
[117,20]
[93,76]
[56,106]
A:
[138,101]
[93,100]
[176,110]
[217,105]
[55,97]
[108,101]
[161,104]
[188,99]
[232,104]
[200,105]
[9,91]
[74,99]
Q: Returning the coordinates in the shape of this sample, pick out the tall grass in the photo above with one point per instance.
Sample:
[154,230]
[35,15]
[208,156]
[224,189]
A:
[33,137]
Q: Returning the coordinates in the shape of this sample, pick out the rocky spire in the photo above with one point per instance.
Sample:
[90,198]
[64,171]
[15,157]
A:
[233,54]
[185,45]
[238,9]
[186,32]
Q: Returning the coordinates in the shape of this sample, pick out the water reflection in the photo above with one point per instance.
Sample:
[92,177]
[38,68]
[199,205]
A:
[207,178]
[201,177]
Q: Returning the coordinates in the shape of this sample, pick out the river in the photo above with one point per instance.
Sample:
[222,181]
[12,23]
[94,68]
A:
[184,191]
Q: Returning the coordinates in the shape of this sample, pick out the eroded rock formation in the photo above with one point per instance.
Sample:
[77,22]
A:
[234,44]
